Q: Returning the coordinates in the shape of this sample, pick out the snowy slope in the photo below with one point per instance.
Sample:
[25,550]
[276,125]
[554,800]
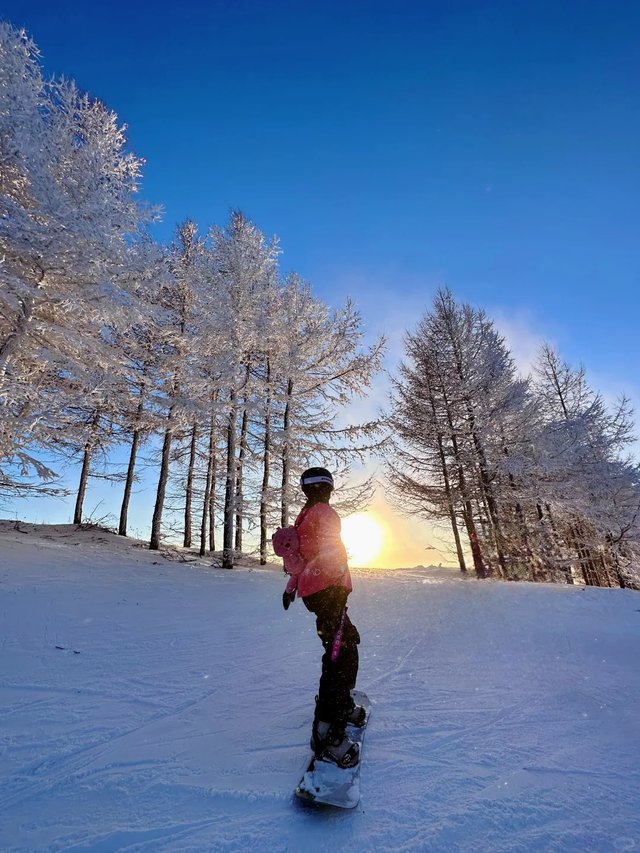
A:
[175,715]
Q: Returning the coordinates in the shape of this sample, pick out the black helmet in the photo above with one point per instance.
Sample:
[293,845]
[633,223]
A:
[316,481]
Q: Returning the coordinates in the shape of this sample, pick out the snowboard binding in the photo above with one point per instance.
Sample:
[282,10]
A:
[330,742]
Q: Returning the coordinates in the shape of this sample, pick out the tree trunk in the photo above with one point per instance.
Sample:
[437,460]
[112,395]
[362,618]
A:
[613,563]
[230,487]
[156,522]
[212,505]
[447,483]
[467,508]
[533,564]
[239,494]
[207,502]
[84,476]
[266,460]
[485,481]
[133,455]
[557,544]
[84,473]
[589,573]
[452,512]
[284,516]
[189,489]
[128,485]
[487,490]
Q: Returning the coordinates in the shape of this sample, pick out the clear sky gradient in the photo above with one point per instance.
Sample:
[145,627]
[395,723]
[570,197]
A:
[395,147]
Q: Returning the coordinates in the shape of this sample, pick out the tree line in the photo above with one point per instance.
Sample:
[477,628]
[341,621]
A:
[232,377]
[233,373]
[533,476]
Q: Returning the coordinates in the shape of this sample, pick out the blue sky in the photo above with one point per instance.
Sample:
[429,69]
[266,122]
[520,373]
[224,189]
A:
[394,147]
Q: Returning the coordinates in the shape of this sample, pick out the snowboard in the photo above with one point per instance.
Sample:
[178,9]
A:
[325,782]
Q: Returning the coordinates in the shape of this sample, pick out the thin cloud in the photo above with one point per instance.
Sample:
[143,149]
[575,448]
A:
[522,336]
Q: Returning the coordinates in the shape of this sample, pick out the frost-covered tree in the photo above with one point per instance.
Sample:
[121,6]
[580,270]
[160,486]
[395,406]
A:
[245,269]
[457,413]
[533,470]
[141,342]
[426,469]
[588,478]
[321,369]
[68,213]
[179,352]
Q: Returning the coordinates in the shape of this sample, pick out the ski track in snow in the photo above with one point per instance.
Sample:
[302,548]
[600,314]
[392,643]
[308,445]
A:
[176,714]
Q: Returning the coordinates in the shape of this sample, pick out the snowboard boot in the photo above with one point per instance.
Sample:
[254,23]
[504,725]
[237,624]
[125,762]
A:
[357,716]
[330,742]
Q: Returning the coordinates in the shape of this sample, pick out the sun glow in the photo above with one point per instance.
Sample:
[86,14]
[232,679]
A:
[362,537]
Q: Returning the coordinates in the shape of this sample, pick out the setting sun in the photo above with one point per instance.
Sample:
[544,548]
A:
[363,539]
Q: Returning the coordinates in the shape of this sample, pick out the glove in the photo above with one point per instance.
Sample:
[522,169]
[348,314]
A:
[288,598]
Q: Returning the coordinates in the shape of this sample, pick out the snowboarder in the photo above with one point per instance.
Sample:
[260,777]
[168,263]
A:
[324,585]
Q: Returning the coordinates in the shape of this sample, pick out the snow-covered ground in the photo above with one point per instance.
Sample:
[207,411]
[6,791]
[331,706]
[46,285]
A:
[150,705]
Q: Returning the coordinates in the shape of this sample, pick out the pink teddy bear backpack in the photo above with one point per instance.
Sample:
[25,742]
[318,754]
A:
[286,544]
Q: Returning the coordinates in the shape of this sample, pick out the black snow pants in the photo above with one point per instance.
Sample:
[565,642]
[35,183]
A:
[338,678]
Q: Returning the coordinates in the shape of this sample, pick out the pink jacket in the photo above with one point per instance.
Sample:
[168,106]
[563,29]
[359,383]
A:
[322,549]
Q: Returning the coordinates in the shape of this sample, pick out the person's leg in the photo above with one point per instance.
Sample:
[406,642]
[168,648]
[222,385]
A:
[338,676]
[333,703]
[348,659]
